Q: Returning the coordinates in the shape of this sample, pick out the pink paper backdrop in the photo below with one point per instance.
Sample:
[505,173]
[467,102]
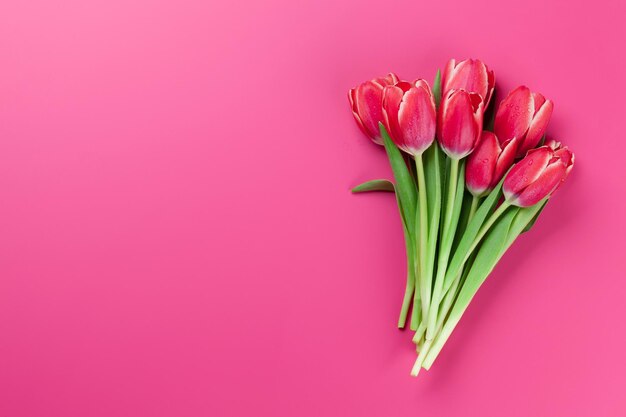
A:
[177,237]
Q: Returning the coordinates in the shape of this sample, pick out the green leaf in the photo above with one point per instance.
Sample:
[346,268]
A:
[463,219]
[424,278]
[486,259]
[437,88]
[410,273]
[433,184]
[444,164]
[525,220]
[410,163]
[463,250]
[534,219]
[455,189]
[433,191]
[405,186]
[375,185]
[458,203]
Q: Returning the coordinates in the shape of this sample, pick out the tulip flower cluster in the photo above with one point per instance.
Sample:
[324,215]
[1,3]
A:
[469,179]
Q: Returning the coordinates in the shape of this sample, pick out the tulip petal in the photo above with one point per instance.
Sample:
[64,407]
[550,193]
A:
[505,160]
[567,158]
[544,186]
[471,75]
[553,144]
[389,79]
[564,154]
[357,118]
[458,125]
[448,73]
[514,114]
[538,126]
[368,99]
[423,84]
[392,97]
[491,82]
[416,120]
[481,164]
[538,100]
[526,171]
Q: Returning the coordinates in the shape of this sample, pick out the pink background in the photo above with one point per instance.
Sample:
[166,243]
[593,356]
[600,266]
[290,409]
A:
[177,237]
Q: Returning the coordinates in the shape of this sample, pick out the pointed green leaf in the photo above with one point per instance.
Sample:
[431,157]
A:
[534,219]
[445,172]
[433,191]
[410,163]
[463,219]
[405,186]
[524,220]
[374,185]
[433,183]
[437,88]
[410,273]
[458,203]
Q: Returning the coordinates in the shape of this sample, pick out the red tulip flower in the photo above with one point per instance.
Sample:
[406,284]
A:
[488,163]
[524,115]
[538,175]
[366,103]
[470,75]
[409,115]
[460,122]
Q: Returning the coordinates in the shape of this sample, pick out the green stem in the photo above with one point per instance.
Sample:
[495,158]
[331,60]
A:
[421,357]
[419,333]
[444,251]
[410,286]
[454,172]
[473,208]
[446,305]
[424,276]
[451,295]
[485,227]
[416,314]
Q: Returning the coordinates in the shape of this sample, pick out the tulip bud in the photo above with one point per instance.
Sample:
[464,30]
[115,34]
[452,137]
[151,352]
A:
[409,115]
[470,75]
[460,122]
[524,115]
[366,104]
[488,163]
[538,175]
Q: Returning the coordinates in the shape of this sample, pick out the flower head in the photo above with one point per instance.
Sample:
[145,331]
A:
[366,103]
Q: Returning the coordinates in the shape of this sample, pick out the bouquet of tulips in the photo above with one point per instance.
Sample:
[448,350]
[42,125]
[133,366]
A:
[469,179]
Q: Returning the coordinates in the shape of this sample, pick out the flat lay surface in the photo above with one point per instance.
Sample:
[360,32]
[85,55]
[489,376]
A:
[178,237]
